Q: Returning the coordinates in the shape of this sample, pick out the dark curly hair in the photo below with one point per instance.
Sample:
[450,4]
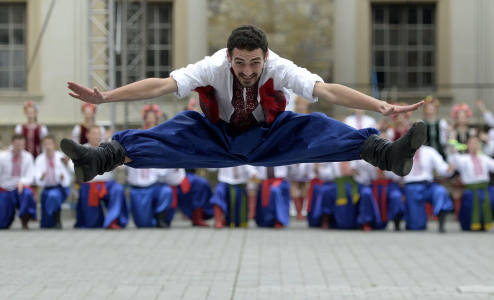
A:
[247,37]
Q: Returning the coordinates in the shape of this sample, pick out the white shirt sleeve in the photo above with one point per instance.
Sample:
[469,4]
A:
[192,76]
[299,80]
[489,146]
[251,171]
[76,134]
[103,133]
[18,129]
[489,118]
[28,172]
[40,168]
[43,132]
[443,132]
[391,134]
[440,165]
[489,162]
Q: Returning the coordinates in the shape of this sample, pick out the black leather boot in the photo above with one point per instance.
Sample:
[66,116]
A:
[395,156]
[56,216]
[397,221]
[89,161]
[442,219]
[160,220]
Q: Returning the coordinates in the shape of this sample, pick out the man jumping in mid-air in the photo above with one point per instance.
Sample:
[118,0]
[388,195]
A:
[243,97]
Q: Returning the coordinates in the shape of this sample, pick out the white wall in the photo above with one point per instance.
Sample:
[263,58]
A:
[63,58]
[472,49]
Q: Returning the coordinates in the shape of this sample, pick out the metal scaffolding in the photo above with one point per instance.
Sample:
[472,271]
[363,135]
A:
[117,39]
[131,46]
[101,43]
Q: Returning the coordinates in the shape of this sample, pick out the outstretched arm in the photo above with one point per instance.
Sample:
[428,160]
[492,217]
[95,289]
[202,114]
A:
[140,90]
[342,95]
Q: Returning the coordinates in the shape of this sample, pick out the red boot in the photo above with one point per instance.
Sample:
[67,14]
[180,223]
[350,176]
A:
[366,227]
[113,225]
[325,222]
[25,219]
[299,203]
[218,217]
[278,225]
[198,218]
[252,206]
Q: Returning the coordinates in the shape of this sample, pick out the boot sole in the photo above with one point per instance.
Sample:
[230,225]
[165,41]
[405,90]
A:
[69,148]
[418,139]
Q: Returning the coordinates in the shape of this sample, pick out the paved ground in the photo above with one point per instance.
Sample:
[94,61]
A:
[198,263]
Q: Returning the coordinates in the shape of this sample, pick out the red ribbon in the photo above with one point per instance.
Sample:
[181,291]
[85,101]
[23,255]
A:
[313,182]
[382,201]
[97,190]
[266,189]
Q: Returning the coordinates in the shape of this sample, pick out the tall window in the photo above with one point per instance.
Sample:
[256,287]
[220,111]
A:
[403,45]
[159,53]
[12,47]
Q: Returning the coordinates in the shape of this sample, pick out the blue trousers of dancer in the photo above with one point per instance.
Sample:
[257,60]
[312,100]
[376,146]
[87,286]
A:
[146,202]
[322,203]
[51,201]
[12,200]
[197,198]
[417,194]
[368,210]
[278,207]
[369,207]
[190,140]
[465,214]
[221,197]
[94,217]
[345,213]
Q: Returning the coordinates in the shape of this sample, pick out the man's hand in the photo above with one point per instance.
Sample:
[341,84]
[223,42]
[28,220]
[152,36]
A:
[481,105]
[20,188]
[451,169]
[84,94]
[390,109]
[43,176]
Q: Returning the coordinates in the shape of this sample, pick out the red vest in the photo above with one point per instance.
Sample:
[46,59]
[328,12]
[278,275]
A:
[33,139]
[272,101]
[83,138]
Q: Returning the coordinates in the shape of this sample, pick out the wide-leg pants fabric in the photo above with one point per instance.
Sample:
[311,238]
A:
[465,214]
[146,202]
[94,217]
[368,210]
[235,211]
[197,198]
[417,194]
[369,207]
[12,200]
[190,140]
[277,208]
[51,201]
[323,201]
[345,213]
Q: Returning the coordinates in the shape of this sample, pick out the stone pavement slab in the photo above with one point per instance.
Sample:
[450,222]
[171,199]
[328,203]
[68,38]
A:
[203,263]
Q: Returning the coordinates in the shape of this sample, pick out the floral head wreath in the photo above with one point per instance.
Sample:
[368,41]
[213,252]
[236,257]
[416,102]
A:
[84,105]
[29,103]
[407,114]
[151,107]
[459,107]
[431,100]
